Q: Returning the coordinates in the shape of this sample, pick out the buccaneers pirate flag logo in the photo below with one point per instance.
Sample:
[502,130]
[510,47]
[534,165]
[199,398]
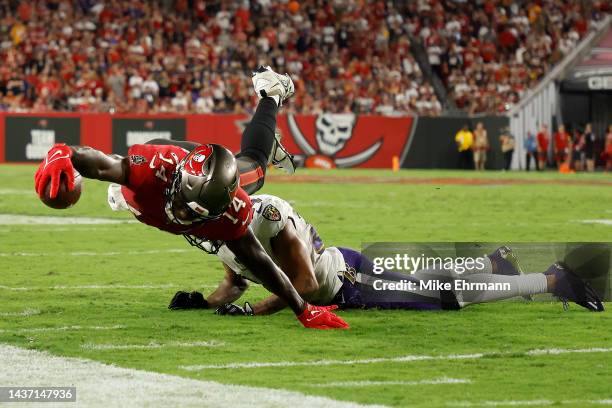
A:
[345,140]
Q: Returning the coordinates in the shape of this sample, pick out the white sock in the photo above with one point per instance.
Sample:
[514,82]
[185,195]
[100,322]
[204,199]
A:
[530,284]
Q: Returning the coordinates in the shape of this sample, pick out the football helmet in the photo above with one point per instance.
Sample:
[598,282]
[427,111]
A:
[203,185]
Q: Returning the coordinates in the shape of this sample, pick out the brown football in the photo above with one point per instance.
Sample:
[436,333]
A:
[64,198]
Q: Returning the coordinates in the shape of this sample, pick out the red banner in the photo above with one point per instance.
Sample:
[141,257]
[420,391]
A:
[327,140]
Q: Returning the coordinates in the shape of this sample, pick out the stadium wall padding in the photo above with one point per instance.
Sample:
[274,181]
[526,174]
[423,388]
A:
[433,142]
[345,140]
[341,140]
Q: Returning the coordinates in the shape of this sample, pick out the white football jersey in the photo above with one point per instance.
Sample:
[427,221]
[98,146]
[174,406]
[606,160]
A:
[270,215]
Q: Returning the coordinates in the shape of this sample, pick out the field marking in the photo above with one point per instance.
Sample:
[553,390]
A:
[19,219]
[366,383]
[400,359]
[103,385]
[63,328]
[526,403]
[38,229]
[16,191]
[601,222]
[97,287]
[94,253]
[153,345]
[23,313]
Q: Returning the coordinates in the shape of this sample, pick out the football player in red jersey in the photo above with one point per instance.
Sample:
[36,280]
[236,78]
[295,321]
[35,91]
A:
[197,190]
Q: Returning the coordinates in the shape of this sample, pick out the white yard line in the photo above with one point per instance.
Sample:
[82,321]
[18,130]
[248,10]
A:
[98,287]
[63,328]
[153,345]
[39,229]
[528,403]
[102,385]
[400,359]
[94,253]
[366,383]
[17,191]
[23,313]
[18,219]
[602,222]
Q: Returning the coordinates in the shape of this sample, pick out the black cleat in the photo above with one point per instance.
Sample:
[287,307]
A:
[570,287]
[506,263]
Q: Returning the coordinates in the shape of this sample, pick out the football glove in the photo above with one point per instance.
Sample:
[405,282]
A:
[184,300]
[55,164]
[321,317]
[230,309]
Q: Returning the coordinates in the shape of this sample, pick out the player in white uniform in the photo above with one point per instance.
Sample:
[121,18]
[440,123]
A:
[270,216]
[344,277]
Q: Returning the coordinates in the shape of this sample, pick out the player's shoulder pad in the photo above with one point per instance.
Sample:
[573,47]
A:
[271,215]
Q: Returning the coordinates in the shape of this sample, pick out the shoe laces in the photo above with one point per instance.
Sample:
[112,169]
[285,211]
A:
[565,304]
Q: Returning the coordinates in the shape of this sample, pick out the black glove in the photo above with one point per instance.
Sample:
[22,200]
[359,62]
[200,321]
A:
[231,309]
[184,300]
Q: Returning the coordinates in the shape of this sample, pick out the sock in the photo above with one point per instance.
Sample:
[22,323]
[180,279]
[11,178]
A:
[530,284]
[257,144]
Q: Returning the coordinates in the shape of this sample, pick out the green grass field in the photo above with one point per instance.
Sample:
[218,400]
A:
[121,277]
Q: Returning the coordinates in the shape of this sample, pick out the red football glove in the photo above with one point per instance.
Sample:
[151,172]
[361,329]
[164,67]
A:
[57,162]
[321,317]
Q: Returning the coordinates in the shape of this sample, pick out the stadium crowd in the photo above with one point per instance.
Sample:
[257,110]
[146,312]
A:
[489,52]
[344,55]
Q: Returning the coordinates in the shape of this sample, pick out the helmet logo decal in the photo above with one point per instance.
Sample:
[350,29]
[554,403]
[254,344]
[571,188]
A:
[199,158]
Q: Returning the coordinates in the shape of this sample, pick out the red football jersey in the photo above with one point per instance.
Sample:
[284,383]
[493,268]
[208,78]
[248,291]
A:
[151,168]
[542,141]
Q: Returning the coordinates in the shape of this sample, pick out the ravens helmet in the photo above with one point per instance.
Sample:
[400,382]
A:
[203,185]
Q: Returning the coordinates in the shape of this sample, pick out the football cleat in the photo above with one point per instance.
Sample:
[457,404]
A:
[569,286]
[282,159]
[268,83]
[506,263]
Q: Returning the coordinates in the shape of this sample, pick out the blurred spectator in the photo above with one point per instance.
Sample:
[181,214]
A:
[589,147]
[464,140]
[507,143]
[530,144]
[578,142]
[561,140]
[608,149]
[543,139]
[480,146]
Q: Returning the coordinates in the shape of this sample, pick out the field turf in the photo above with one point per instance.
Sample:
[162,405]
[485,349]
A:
[106,285]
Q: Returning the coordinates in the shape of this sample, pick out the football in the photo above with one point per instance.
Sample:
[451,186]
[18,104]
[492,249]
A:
[64,198]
